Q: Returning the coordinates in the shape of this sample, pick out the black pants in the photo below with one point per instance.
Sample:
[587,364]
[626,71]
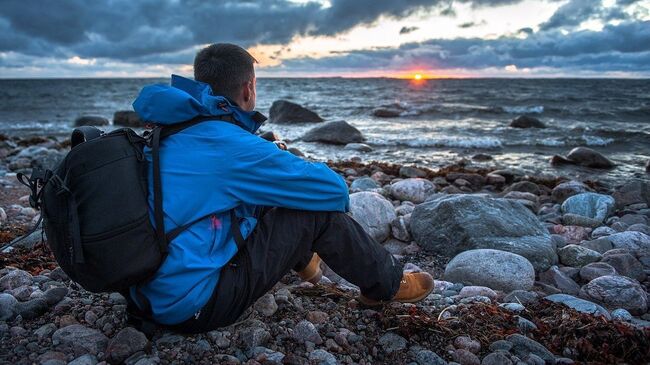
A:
[286,239]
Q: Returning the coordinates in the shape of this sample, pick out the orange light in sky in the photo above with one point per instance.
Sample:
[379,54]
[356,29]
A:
[417,76]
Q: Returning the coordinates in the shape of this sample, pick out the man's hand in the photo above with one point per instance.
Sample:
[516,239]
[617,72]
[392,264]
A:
[281,145]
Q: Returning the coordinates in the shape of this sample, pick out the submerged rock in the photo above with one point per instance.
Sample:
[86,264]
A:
[390,112]
[450,224]
[338,132]
[373,212]
[525,121]
[90,120]
[283,111]
[127,118]
[584,156]
[499,270]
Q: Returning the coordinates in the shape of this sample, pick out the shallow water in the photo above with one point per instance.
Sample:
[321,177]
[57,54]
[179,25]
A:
[442,120]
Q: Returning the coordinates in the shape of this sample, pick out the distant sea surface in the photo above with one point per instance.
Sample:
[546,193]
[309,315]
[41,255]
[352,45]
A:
[442,120]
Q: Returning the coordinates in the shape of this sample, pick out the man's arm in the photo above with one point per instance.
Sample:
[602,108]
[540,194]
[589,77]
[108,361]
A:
[260,173]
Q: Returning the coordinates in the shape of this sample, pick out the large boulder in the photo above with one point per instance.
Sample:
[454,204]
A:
[525,121]
[337,132]
[373,212]
[415,190]
[634,191]
[591,205]
[614,291]
[127,118]
[283,111]
[452,224]
[584,156]
[499,270]
[90,120]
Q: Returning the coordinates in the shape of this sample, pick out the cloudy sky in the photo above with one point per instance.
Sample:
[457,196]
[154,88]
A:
[436,38]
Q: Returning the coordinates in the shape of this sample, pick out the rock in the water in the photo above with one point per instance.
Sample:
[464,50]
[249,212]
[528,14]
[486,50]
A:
[337,132]
[125,343]
[595,270]
[283,111]
[617,292]
[567,189]
[634,191]
[363,184]
[387,112]
[577,256]
[415,190]
[373,212]
[592,205]
[455,223]
[525,121]
[80,339]
[584,156]
[90,120]
[522,346]
[627,265]
[499,270]
[127,118]
[7,306]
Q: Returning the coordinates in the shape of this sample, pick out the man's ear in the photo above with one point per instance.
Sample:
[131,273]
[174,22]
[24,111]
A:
[246,92]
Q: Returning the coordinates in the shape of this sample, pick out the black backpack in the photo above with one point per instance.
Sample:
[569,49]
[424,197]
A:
[95,212]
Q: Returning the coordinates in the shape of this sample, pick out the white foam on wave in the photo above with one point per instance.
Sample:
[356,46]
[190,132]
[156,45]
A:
[452,142]
[596,141]
[551,142]
[532,109]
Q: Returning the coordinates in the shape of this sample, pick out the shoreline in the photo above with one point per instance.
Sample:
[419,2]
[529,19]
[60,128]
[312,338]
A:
[462,321]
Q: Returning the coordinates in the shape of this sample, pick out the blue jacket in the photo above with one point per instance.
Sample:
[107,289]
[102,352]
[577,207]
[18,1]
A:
[213,167]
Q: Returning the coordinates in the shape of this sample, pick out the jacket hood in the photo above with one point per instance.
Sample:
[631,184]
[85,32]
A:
[186,99]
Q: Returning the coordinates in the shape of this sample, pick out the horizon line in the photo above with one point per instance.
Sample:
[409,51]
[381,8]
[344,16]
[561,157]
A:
[529,77]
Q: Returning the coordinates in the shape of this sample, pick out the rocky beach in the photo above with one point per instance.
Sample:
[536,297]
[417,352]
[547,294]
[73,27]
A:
[529,269]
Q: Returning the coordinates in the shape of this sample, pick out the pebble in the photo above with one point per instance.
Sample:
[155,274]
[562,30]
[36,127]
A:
[14,279]
[525,326]
[125,343]
[466,343]
[306,331]
[322,357]
[7,306]
[471,291]
[392,342]
[54,295]
[77,336]
[464,357]
[513,307]
[266,305]
[317,317]
[427,357]
[522,346]
[621,314]
[45,331]
[496,358]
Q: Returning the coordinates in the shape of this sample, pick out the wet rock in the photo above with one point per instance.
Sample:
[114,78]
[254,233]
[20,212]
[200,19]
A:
[373,212]
[522,346]
[452,224]
[415,190]
[626,265]
[306,331]
[387,112]
[266,305]
[92,120]
[633,191]
[392,342]
[361,147]
[337,132]
[584,156]
[525,121]
[617,292]
[495,269]
[567,189]
[595,270]
[286,112]
[495,179]
[127,118]
[7,306]
[14,279]
[126,343]
[592,205]
[363,184]
[555,277]
[577,256]
[80,339]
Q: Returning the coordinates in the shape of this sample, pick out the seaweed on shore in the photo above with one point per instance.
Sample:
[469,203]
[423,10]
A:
[32,260]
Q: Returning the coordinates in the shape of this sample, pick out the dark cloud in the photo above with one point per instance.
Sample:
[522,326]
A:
[575,12]
[471,24]
[407,30]
[625,47]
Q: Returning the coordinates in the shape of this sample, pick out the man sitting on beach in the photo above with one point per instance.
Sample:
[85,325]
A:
[291,212]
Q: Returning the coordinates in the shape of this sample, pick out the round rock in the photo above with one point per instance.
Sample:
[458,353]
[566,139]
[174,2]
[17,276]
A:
[617,292]
[415,190]
[373,212]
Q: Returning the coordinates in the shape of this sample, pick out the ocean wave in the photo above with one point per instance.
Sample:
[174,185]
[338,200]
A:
[451,142]
[596,141]
[533,109]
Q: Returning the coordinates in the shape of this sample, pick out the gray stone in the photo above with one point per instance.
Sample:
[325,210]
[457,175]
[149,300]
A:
[501,345]
[499,270]
[555,277]
[521,296]
[426,357]
[496,358]
[45,331]
[643,228]
[363,184]
[78,337]
[525,326]
[126,343]
[266,305]
[626,265]
[55,295]
[265,355]
[32,308]
[513,307]
[86,359]
[286,112]
[617,292]
[592,205]
[471,291]
[373,212]
[578,304]
[337,132]
[570,219]
[322,357]
[415,190]
[465,342]
[90,120]
[630,240]
[577,256]
[7,306]
[399,227]
[584,156]
[566,189]
[465,357]
[127,118]
[254,336]
[600,245]
[601,232]
[14,279]
[634,191]
[451,224]
[595,270]
[525,121]
[522,346]
[392,342]
[306,331]
[631,219]
[621,315]
[410,171]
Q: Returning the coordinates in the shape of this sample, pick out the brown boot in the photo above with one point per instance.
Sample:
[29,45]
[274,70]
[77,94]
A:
[414,287]
[312,273]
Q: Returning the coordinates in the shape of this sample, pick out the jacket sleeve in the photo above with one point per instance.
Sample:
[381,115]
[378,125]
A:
[262,174]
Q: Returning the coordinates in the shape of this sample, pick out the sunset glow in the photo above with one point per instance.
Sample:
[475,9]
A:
[417,77]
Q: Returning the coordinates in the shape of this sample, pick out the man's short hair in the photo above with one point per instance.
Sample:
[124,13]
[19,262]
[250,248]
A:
[225,67]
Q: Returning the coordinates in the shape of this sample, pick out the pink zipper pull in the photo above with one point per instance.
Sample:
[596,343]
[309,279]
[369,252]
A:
[216,222]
